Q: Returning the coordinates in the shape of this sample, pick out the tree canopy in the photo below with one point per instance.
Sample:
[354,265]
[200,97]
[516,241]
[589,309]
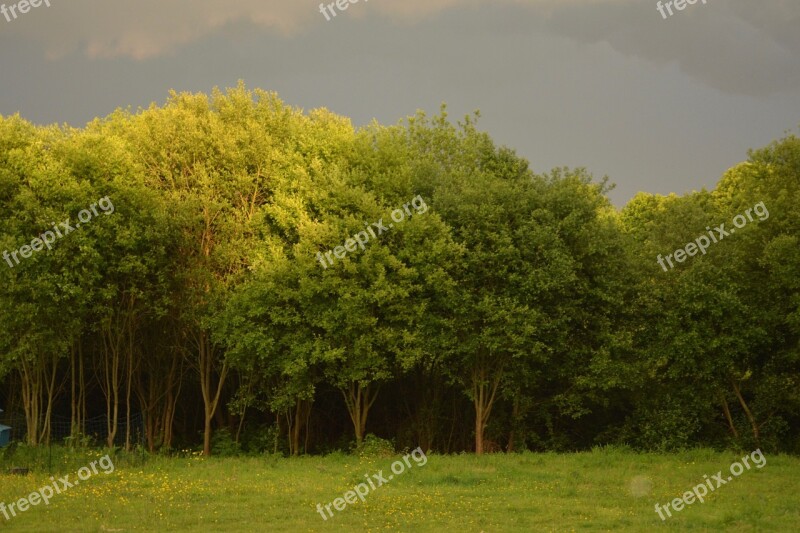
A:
[501,309]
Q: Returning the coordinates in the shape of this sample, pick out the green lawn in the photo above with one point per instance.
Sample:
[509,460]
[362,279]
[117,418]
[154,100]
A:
[606,490]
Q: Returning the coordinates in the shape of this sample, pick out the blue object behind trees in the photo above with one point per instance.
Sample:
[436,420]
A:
[5,434]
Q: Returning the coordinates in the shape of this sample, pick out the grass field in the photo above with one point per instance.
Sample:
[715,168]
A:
[602,490]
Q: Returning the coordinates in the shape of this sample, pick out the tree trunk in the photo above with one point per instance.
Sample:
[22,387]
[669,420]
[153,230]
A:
[73,399]
[747,412]
[51,384]
[308,427]
[359,401]
[128,388]
[479,427]
[726,409]
[297,423]
[483,397]
[111,377]
[38,391]
[176,376]
[78,392]
[514,422]
[30,392]
[210,398]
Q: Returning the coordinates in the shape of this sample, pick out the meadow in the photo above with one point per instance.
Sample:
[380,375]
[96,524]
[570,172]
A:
[607,489]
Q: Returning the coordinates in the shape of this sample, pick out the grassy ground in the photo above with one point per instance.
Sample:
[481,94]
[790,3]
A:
[603,490]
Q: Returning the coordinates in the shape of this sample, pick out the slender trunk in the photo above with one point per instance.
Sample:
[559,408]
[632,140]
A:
[176,376]
[147,406]
[117,334]
[82,392]
[38,391]
[207,436]
[171,419]
[293,415]
[479,427]
[308,428]
[210,398]
[297,424]
[289,432]
[453,418]
[514,422]
[359,399]
[78,391]
[128,389]
[747,412]
[278,436]
[112,339]
[220,420]
[150,421]
[51,384]
[165,425]
[30,389]
[726,409]
[73,400]
[111,371]
[483,394]
[241,425]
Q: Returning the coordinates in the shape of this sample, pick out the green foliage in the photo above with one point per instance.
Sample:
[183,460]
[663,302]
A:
[261,439]
[374,447]
[520,308]
[58,459]
[79,440]
[223,443]
[666,423]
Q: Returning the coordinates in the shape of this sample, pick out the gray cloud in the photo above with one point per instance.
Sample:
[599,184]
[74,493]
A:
[150,28]
[735,46]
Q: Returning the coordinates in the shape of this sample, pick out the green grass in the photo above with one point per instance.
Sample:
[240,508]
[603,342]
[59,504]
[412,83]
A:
[603,490]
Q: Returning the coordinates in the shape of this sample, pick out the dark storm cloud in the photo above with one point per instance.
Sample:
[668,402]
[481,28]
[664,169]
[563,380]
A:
[658,105]
[735,46]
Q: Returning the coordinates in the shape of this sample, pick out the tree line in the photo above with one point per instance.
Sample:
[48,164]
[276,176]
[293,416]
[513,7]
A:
[520,311]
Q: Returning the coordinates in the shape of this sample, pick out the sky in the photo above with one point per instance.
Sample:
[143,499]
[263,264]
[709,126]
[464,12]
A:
[658,103]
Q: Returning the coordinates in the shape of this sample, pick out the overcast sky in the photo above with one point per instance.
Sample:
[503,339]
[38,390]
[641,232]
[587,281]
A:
[658,105]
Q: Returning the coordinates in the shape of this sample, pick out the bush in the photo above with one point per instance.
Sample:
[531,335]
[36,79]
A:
[375,447]
[664,424]
[223,445]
